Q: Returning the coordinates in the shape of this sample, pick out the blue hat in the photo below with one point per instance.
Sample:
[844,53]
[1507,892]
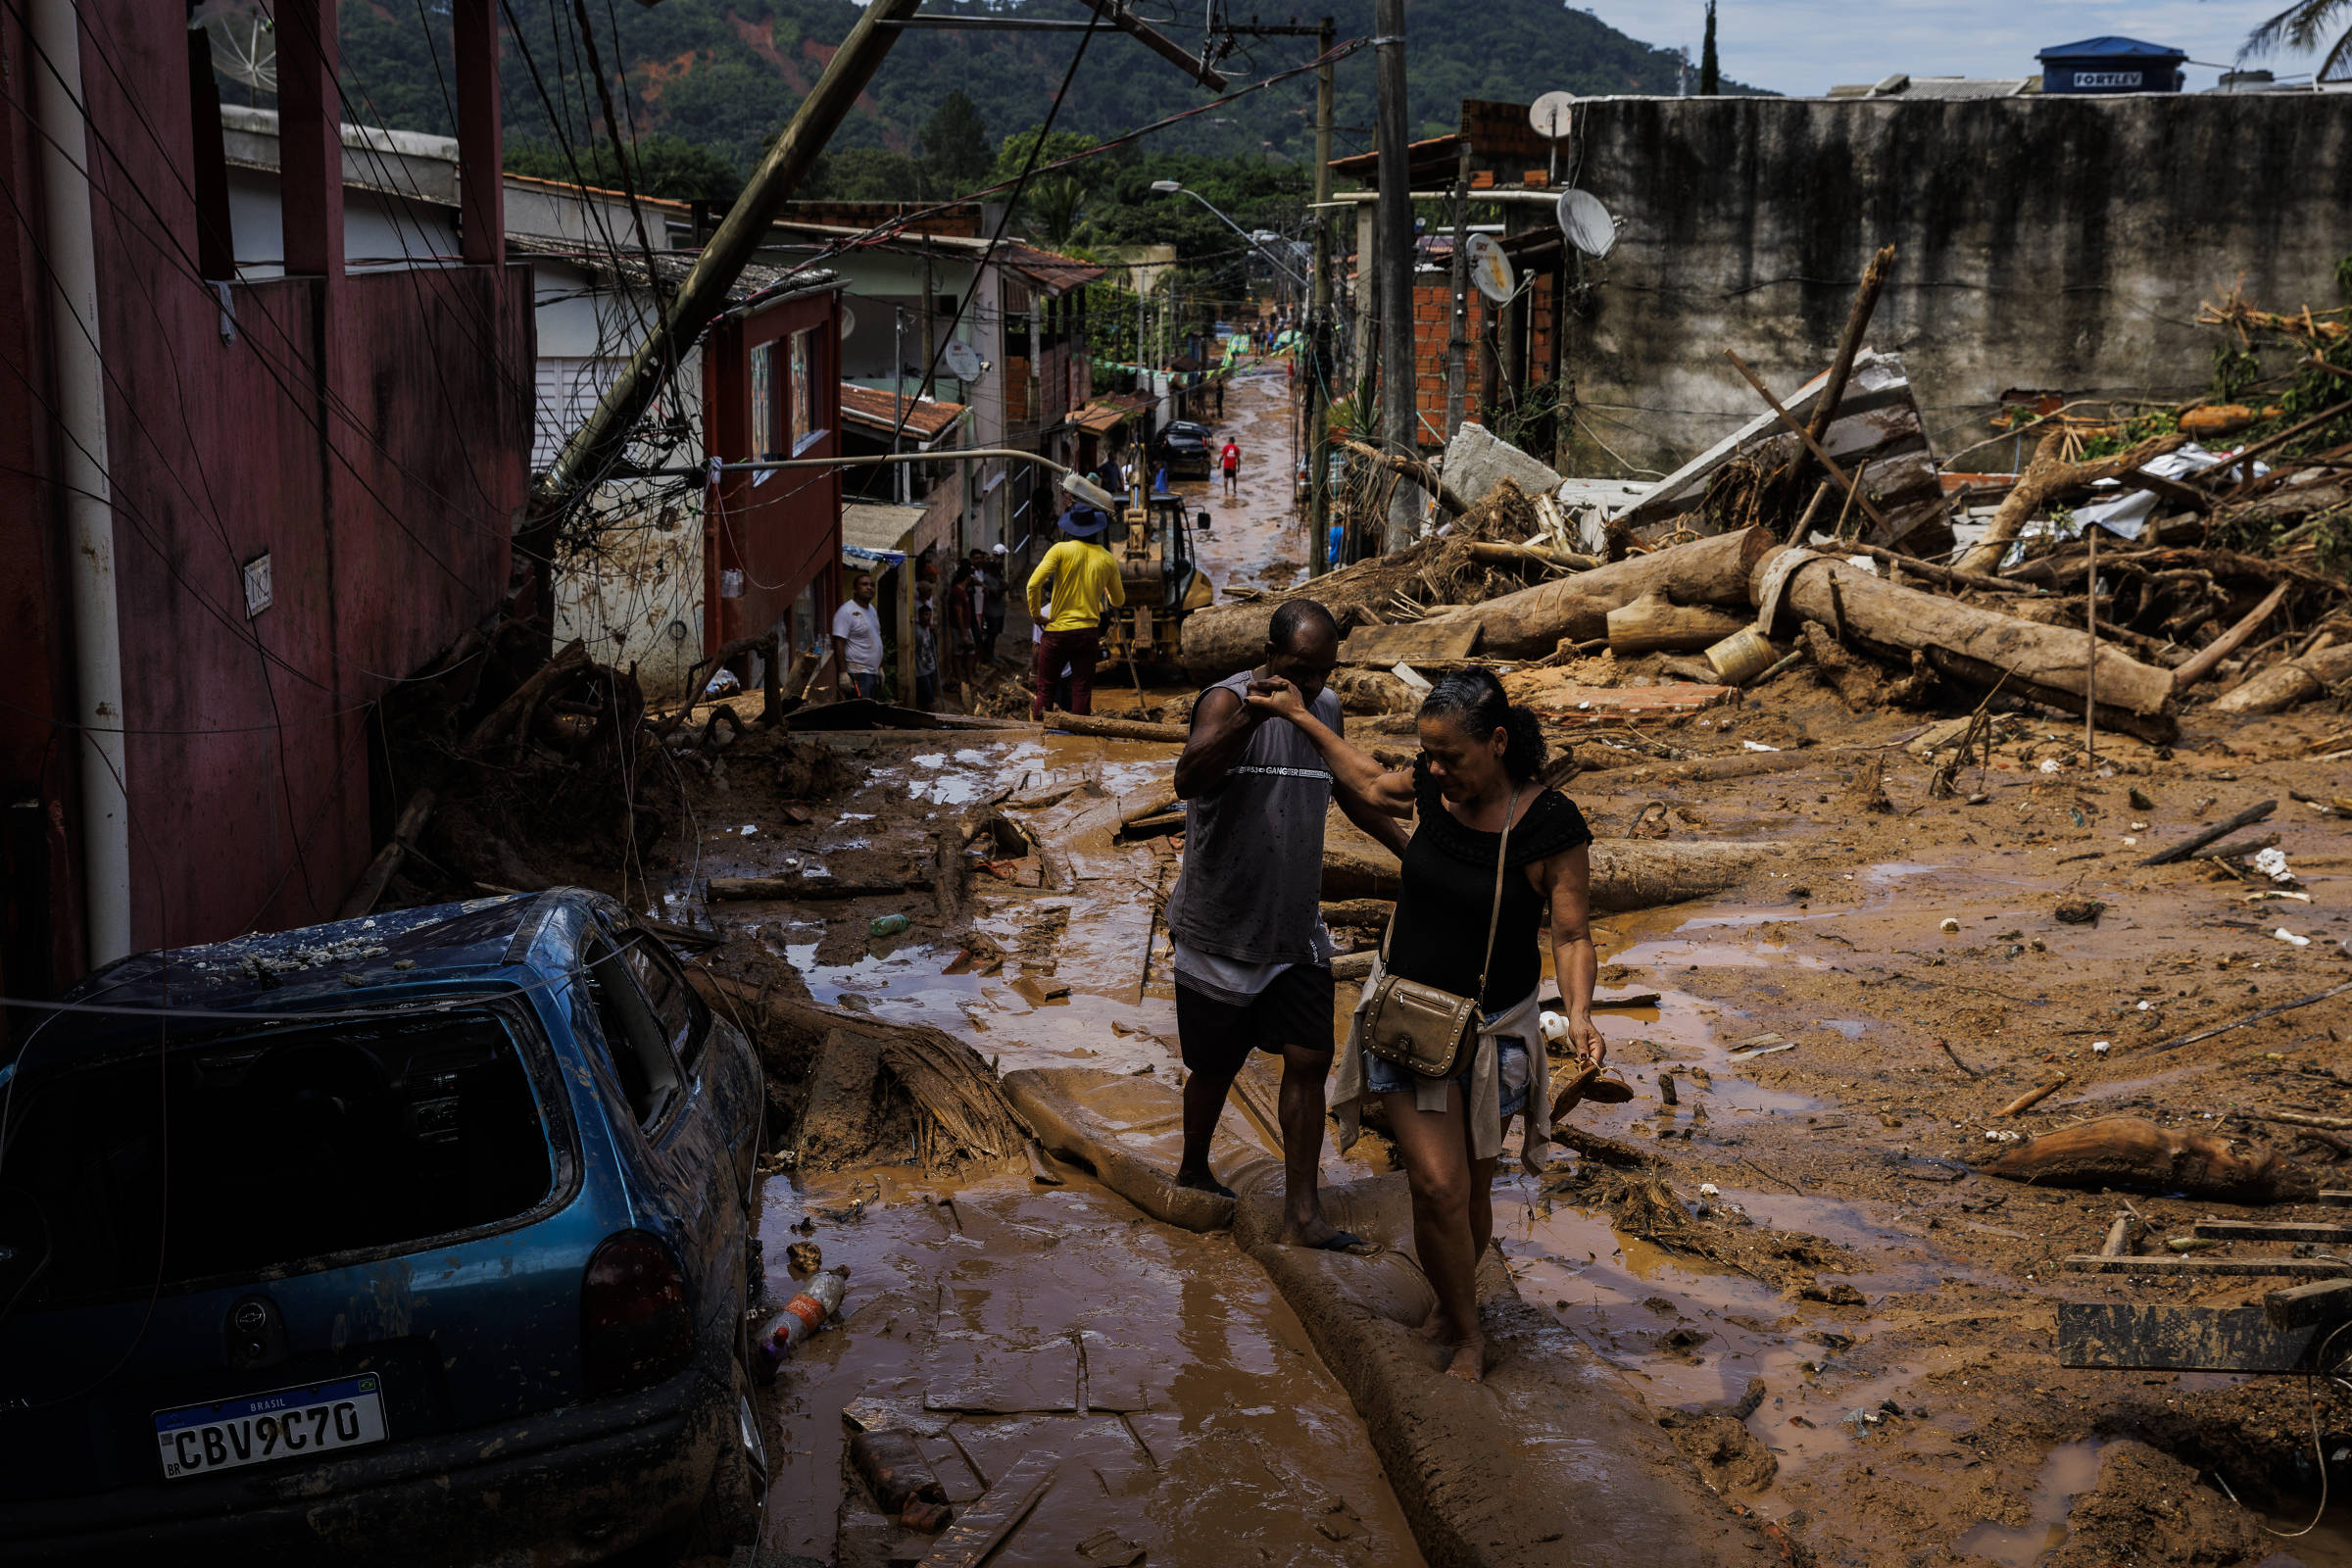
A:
[1083,523]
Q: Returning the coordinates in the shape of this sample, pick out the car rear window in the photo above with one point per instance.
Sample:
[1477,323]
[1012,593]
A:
[263,1152]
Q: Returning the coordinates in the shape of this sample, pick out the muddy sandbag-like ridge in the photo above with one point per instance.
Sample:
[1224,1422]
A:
[1547,1462]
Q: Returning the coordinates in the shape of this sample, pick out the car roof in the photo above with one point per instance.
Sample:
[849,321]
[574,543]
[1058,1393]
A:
[322,966]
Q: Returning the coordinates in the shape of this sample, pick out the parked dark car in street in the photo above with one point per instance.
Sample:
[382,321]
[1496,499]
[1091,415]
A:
[420,1238]
[1183,447]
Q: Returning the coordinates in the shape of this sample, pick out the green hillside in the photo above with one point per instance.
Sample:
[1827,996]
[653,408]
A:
[725,74]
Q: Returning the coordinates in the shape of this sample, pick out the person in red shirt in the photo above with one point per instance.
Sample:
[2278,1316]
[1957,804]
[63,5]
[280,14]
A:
[1230,460]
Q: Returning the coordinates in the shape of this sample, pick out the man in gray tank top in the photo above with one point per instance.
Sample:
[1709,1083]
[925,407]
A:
[1253,957]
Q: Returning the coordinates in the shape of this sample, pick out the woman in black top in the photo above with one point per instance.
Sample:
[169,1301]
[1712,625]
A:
[1476,768]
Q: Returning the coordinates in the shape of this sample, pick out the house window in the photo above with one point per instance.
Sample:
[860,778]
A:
[764,403]
[803,388]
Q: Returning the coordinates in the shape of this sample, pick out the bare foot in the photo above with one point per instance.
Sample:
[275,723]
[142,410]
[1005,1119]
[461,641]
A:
[1469,1359]
[1314,1233]
[1437,1326]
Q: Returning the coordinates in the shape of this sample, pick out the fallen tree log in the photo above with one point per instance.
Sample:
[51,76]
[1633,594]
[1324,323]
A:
[1441,568]
[1534,621]
[1122,729]
[1497,552]
[1627,873]
[2134,1152]
[1653,623]
[2285,685]
[2047,475]
[1966,642]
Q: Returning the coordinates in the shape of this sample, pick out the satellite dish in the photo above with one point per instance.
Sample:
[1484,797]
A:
[243,41]
[849,321]
[1490,269]
[1552,114]
[1586,224]
[962,362]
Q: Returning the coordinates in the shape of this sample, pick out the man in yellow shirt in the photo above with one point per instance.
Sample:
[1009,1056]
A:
[1084,581]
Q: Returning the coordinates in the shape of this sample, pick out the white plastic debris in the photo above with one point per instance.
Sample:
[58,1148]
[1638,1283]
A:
[1553,1026]
[747,829]
[1758,746]
[1950,924]
[1709,1190]
[2098,1048]
[2272,864]
[2049,765]
[2285,935]
[2002,1134]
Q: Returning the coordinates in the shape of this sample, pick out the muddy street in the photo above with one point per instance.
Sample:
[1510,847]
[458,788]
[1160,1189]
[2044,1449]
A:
[1876,1317]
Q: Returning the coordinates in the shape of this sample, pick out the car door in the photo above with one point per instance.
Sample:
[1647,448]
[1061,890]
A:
[700,1148]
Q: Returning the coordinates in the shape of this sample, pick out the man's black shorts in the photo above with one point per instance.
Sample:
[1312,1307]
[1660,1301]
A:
[1216,1037]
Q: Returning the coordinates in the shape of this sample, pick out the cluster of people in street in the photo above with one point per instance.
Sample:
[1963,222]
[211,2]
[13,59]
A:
[1448,1035]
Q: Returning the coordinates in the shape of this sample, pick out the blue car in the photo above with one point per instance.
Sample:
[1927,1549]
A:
[418,1238]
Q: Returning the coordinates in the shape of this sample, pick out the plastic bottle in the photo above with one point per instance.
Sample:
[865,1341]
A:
[801,1316]
[890,925]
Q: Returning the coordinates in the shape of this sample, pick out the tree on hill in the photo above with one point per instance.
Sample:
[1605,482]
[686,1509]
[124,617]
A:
[955,146]
[1710,69]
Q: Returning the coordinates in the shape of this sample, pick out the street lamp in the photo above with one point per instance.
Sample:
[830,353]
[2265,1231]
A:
[1171,187]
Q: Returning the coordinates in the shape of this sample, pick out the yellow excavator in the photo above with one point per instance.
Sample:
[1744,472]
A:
[1152,539]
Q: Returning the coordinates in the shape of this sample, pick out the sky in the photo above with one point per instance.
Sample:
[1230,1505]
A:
[1807,46]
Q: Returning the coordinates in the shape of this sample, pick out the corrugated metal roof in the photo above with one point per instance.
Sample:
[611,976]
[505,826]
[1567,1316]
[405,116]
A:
[872,528]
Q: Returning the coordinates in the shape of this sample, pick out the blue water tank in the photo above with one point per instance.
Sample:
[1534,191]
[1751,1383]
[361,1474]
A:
[2111,64]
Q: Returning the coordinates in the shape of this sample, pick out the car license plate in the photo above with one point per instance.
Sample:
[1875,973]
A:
[264,1428]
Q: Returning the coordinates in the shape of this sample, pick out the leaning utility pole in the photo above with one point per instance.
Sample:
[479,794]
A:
[1393,243]
[1457,341]
[1318,334]
[595,450]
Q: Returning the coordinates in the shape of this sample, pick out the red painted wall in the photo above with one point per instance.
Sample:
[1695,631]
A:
[785,533]
[383,488]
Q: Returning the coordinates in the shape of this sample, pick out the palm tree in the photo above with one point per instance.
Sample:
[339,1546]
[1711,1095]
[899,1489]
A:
[2303,28]
[1053,207]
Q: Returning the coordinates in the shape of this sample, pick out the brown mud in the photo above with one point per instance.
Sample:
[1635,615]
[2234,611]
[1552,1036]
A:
[1809,1219]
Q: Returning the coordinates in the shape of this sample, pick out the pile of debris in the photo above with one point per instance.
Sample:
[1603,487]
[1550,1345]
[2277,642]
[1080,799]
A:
[2124,572]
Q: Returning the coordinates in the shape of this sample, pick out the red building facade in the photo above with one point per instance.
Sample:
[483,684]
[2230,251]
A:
[772,389]
[313,483]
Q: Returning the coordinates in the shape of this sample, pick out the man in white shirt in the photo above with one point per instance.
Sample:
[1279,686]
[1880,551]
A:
[858,639]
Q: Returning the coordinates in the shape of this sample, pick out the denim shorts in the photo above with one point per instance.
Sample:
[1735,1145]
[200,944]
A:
[1384,1077]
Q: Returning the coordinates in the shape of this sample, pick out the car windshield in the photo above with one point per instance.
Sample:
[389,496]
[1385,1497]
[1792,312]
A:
[262,1153]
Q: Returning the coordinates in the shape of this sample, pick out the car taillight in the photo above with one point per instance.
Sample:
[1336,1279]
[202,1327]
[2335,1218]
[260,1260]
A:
[636,1325]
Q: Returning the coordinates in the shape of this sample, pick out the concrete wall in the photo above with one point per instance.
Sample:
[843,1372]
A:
[2050,243]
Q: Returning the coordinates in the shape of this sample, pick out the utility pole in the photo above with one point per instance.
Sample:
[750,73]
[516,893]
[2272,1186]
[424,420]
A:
[1458,344]
[595,449]
[1395,244]
[1318,340]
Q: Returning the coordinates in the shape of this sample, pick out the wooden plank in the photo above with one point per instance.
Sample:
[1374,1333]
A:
[2299,1306]
[1420,641]
[2335,1197]
[2316,1267]
[976,1531]
[2178,1339]
[2267,1230]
